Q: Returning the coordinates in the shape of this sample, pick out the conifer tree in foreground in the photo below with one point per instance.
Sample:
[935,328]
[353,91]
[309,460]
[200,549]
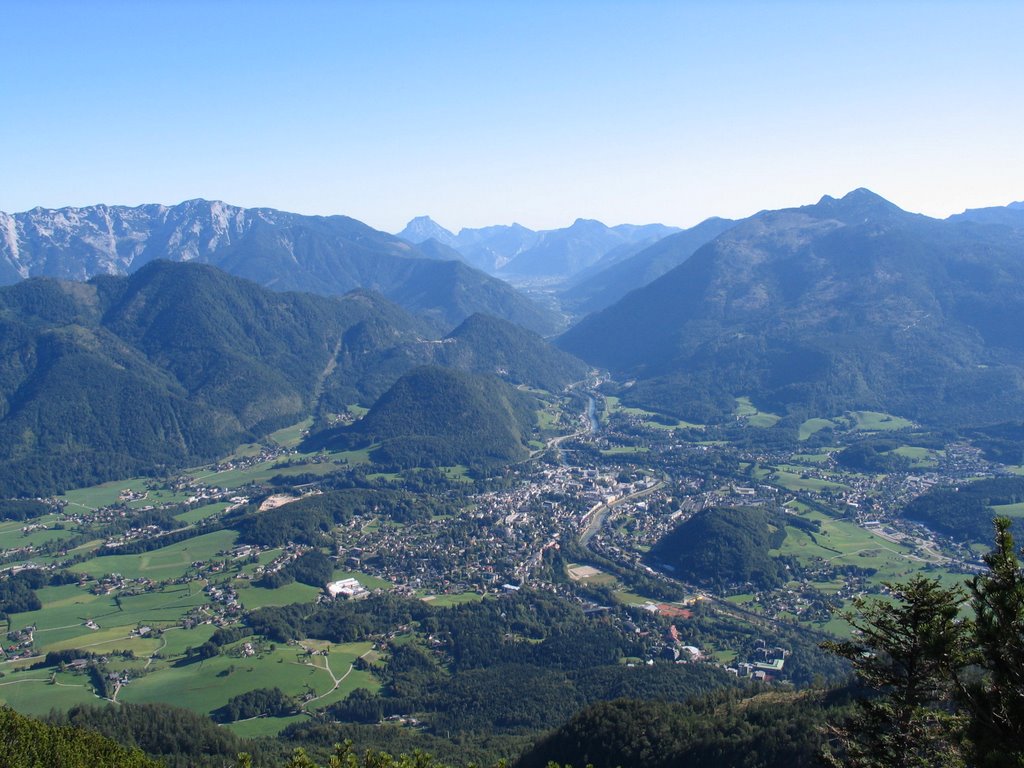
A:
[995,701]
[906,654]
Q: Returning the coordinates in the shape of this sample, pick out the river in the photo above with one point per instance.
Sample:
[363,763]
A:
[595,425]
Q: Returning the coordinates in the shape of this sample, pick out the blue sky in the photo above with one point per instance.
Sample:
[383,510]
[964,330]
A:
[490,112]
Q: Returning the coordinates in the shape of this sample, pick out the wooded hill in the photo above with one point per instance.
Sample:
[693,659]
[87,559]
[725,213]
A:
[179,363]
[722,547]
[847,304]
[440,417]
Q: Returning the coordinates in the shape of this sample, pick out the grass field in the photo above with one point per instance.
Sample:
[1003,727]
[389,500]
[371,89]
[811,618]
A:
[919,457]
[613,405]
[447,601]
[811,426]
[201,513]
[169,562]
[205,685]
[263,471]
[755,418]
[820,457]
[166,563]
[61,621]
[289,437]
[256,597]
[626,597]
[842,542]
[874,421]
[102,495]
[1009,510]
[793,481]
[619,450]
[12,537]
[32,692]
[259,727]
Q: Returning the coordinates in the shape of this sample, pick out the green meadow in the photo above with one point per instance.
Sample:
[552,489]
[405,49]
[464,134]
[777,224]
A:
[447,601]
[754,418]
[202,513]
[169,562]
[12,536]
[795,481]
[204,685]
[253,597]
[37,691]
[811,426]
[103,495]
[1009,510]
[842,542]
[874,421]
[619,450]
[289,437]
[919,457]
[61,623]
[613,405]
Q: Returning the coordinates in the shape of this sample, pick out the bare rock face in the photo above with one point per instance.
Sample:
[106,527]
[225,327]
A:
[284,251]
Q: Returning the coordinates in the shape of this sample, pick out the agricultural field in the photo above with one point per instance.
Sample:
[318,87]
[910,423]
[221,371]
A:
[798,481]
[842,542]
[873,421]
[619,450]
[613,405]
[754,418]
[12,535]
[811,426]
[1009,510]
[104,495]
[170,562]
[814,459]
[202,513]
[920,458]
[37,691]
[447,601]
[299,464]
[62,621]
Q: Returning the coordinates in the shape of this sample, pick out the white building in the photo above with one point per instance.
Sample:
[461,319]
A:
[347,588]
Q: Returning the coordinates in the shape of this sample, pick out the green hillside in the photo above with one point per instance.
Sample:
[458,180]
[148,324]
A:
[177,363]
[487,344]
[849,304]
[723,547]
[440,417]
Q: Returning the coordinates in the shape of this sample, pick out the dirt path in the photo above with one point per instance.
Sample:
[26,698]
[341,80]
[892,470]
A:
[337,680]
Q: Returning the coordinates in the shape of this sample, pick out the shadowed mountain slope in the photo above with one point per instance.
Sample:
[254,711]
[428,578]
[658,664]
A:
[849,303]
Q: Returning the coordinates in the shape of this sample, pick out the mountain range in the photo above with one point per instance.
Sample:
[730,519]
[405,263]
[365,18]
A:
[284,251]
[523,255]
[178,363]
[846,304]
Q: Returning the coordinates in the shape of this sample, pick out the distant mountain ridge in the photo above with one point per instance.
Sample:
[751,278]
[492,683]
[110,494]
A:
[518,253]
[284,251]
[845,304]
[605,283]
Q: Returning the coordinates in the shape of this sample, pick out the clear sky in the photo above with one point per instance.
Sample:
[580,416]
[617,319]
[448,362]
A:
[494,111]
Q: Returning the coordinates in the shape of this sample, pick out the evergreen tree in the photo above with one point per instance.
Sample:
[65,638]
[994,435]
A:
[996,701]
[907,654]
